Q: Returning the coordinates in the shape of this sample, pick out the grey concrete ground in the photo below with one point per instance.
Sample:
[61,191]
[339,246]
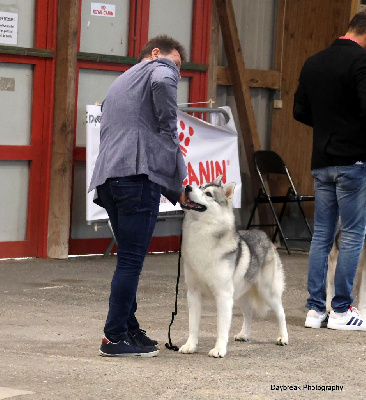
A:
[51,320]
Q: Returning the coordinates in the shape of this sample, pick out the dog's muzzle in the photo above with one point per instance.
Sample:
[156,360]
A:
[191,205]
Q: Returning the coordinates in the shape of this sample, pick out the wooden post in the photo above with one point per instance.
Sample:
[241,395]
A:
[256,78]
[63,130]
[213,56]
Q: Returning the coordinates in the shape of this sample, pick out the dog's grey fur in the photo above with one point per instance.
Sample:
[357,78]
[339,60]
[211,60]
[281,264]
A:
[258,244]
[226,265]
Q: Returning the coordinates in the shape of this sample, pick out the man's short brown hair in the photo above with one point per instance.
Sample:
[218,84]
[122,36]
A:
[165,44]
[358,23]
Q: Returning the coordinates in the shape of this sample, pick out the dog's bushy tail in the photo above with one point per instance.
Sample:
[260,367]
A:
[259,305]
[269,286]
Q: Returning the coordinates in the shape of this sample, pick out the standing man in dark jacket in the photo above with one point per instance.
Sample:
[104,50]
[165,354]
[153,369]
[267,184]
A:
[331,98]
[139,158]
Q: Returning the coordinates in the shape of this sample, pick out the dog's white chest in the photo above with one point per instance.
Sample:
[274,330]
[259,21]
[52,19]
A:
[204,264]
[199,246]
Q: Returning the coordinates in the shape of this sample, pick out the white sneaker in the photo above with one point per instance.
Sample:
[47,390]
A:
[351,320]
[315,319]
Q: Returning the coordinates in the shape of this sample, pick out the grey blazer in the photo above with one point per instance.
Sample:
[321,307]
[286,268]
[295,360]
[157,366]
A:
[138,132]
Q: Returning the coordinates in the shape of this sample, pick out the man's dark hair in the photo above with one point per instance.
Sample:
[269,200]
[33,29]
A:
[358,23]
[165,44]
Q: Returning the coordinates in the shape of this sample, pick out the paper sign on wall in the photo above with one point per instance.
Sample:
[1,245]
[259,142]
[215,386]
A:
[8,28]
[103,10]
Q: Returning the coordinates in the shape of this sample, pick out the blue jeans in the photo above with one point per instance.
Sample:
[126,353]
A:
[132,204]
[339,192]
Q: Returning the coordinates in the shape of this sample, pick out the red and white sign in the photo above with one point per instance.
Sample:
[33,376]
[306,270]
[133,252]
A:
[103,10]
[209,151]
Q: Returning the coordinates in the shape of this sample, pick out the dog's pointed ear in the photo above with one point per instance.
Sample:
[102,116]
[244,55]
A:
[218,180]
[229,190]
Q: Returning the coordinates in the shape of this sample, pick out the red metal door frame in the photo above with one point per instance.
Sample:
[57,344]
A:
[38,153]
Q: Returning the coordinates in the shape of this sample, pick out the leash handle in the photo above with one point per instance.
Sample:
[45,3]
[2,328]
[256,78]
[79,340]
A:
[170,345]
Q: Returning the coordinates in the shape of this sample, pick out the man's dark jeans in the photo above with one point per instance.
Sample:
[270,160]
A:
[132,204]
[340,191]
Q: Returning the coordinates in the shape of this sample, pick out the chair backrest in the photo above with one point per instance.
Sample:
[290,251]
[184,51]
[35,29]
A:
[269,162]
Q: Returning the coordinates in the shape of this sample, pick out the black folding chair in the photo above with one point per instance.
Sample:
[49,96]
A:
[267,163]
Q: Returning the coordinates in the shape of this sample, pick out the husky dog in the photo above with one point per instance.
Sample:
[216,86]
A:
[360,276]
[229,267]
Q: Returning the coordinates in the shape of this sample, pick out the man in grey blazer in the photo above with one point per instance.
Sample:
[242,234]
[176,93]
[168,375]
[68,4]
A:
[139,158]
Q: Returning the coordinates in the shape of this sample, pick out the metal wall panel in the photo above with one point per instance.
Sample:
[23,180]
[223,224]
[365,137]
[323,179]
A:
[172,18]
[16,91]
[104,34]
[14,176]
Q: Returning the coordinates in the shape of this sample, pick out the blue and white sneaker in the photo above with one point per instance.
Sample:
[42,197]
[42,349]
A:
[351,320]
[126,348]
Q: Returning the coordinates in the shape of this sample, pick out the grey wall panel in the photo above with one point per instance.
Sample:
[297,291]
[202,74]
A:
[256,26]
[172,18]
[16,90]
[183,90]
[102,34]
[14,179]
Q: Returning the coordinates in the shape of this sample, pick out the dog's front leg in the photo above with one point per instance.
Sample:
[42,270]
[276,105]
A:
[224,303]
[194,307]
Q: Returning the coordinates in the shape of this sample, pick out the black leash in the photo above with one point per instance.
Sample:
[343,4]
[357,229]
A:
[169,345]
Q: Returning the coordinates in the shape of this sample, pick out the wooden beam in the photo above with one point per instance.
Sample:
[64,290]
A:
[24,51]
[63,131]
[255,78]
[214,55]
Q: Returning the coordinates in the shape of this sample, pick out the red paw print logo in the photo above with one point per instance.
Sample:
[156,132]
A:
[185,137]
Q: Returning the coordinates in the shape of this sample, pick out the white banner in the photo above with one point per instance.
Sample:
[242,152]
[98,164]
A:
[93,116]
[209,151]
